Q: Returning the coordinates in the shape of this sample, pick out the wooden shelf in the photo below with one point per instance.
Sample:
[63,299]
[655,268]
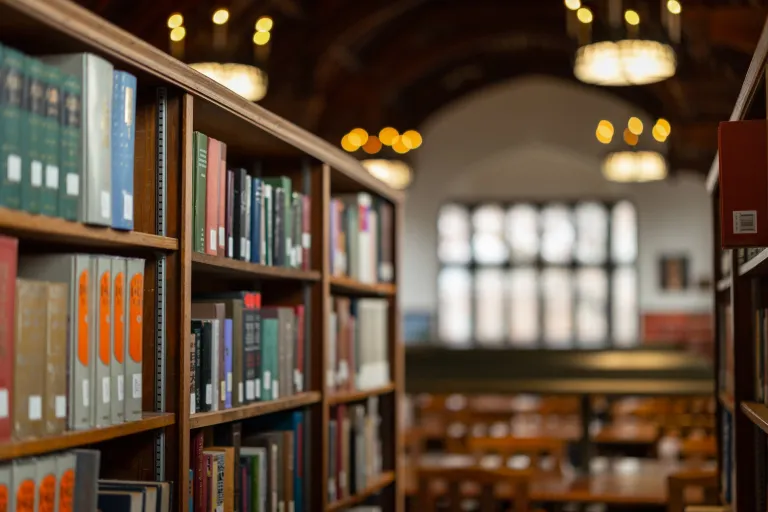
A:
[755,266]
[206,419]
[758,413]
[724,284]
[726,401]
[237,268]
[72,439]
[380,483]
[347,285]
[53,229]
[355,396]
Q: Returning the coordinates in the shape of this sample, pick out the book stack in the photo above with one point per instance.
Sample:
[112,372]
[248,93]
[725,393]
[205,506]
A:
[70,481]
[75,320]
[357,348]
[243,352]
[354,447]
[264,474]
[361,238]
[255,219]
[67,132]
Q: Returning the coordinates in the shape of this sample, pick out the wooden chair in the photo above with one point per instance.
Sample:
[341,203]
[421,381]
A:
[456,480]
[682,481]
[531,447]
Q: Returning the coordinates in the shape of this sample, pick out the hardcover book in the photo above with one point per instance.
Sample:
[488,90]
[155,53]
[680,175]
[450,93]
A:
[120,301]
[123,142]
[33,131]
[24,478]
[101,333]
[8,261]
[28,387]
[49,194]
[55,400]
[70,147]
[134,337]
[12,116]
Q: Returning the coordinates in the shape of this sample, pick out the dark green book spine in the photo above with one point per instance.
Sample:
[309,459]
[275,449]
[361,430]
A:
[12,116]
[286,240]
[198,208]
[34,134]
[49,197]
[70,147]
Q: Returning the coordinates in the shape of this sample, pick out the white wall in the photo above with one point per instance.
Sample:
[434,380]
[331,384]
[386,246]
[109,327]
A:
[533,138]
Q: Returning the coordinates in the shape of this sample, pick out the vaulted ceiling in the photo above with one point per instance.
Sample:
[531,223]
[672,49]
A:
[337,64]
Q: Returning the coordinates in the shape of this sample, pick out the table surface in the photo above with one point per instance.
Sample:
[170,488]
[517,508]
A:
[611,481]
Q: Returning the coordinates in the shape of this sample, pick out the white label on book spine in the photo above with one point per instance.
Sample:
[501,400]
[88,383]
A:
[275,389]
[249,390]
[61,406]
[223,388]
[229,382]
[744,222]
[120,388]
[127,206]
[248,250]
[208,394]
[296,378]
[212,239]
[35,408]
[4,406]
[37,174]
[105,390]
[240,392]
[258,389]
[242,247]
[14,168]
[230,245]
[306,240]
[191,403]
[52,177]
[73,184]
[221,236]
[267,380]
[136,385]
[86,393]
[106,204]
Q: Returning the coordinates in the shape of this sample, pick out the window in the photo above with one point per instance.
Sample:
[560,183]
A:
[555,275]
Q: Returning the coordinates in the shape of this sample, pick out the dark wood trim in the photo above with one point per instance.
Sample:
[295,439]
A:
[346,397]
[380,483]
[205,263]
[206,419]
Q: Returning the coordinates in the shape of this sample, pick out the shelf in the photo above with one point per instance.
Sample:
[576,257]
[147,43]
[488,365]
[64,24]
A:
[75,438]
[724,284]
[53,229]
[380,483]
[347,285]
[726,401]
[756,265]
[355,396]
[243,269]
[206,419]
[758,413]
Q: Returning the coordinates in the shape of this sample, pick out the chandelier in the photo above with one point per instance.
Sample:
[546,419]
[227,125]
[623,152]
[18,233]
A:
[395,173]
[242,76]
[632,164]
[621,54]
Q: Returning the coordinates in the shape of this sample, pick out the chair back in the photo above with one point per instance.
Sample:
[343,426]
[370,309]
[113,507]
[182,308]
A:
[535,448]
[452,486]
[679,485]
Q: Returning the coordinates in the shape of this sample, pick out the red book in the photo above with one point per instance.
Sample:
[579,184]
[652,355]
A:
[212,197]
[221,239]
[198,466]
[8,259]
[306,229]
[743,183]
[299,355]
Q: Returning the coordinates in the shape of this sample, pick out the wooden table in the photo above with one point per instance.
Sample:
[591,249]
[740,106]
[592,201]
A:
[615,481]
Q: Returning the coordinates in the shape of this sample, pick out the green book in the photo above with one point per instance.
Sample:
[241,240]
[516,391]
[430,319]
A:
[286,243]
[200,148]
[49,196]
[70,146]
[33,131]
[270,371]
[12,115]
[268,224]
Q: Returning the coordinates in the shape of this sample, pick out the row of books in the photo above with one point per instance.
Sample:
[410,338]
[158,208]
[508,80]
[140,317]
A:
[361,238]
[71,335]
[358,344]
[261,220]
[263,473]
[69,481]
[726,347]
[243,352]
[67,134]
[355,448]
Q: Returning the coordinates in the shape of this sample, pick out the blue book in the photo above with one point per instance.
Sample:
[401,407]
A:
[191,498]
[123,140]
[255,255]
[228,361]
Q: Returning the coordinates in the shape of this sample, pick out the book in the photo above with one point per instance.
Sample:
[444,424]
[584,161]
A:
[123,142]
[96,78]
[49,193]
[24,478]
[6,484]
[47,483]
[65,476]
[33,130]
[55,397]
[135,338]
[119,330]
[200,149]
[70,147]
[101,332]
[8,265]
[12,116]
[222,203]
[87,464]
[212,196]
[29,350]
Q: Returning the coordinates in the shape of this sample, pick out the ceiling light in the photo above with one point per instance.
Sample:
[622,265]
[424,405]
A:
[412,139]
[361,134]
[394,173]
[630,138]
[399,146]
[664,126]
[635,125]
[175,20]
[624,62]
[221,16]
[634,166]
[605,128]
[388,136]
[674,7]
[264,24]
[632,17]
[348,144]
[584,15]
[248,81]
[178,34]
[658,133]
[573,4]
[373,145]
[261,38]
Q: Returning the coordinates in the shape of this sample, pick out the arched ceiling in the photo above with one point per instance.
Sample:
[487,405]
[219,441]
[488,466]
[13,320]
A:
[337,64]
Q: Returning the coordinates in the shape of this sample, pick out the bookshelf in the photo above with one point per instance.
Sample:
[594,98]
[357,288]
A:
[173,102]
[740,348]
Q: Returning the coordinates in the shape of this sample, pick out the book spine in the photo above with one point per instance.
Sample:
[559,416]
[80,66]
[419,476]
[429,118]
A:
[206,342]
[296,230]
[198,207]
[135,338]
[49,194]
[8,268]
[80,350]
[242,233]
[102,333]
[212,197]
[299,360]
[279,229]
[222,216]
[230,214]
[117,364]
[238,224]
[198,465]
[251,345]
[29,351]
[256,221]
[70,147]
[34,133]
[123,141]
[220,482]
[269,230]
[228,361]
[46,482]
[192,371]
[248,209]
[13,116]
[65,474]
[56,359]
[306,232]
[197,335]
[24,497]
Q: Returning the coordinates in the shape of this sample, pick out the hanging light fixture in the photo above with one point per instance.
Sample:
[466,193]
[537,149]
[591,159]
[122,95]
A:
[395,173]
[621,53]
[635,162]
[246,80]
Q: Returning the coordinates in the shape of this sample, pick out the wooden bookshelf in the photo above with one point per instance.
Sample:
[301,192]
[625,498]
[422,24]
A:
[376,486]
[193,102]
[742,416]
[73,439]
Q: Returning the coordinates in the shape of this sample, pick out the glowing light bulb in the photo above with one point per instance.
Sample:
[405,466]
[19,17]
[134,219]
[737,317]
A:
[348,145]
[264,24]
[178,34]
[584,15]
[573,4]
[175,20]
[635,126]
[674,7]
[632,17]
[388,136]
[221,16]
[261,38]
[412,139]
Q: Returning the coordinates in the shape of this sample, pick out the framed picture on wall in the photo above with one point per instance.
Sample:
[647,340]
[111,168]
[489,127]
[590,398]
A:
[673,272]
